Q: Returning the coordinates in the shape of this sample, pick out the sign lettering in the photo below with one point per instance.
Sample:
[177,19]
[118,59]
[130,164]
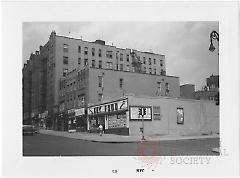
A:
[108,107]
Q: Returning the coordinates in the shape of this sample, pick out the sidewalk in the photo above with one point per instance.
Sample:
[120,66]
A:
[111,138]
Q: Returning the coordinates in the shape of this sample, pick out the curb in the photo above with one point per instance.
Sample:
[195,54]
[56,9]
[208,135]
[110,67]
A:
[133,141]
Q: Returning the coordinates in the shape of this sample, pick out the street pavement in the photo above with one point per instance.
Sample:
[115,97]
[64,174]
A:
[49,145]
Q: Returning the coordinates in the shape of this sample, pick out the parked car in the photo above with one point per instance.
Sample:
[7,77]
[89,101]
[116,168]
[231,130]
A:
[35,129]
[28,130]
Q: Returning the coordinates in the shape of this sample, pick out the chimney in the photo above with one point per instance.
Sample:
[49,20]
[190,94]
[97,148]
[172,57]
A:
[37,52]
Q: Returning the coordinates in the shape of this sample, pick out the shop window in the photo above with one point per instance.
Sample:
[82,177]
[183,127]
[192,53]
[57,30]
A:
[156,112]
[180,116]
[150,70]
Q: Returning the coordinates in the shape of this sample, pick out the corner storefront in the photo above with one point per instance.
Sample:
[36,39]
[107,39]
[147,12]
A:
[113,116]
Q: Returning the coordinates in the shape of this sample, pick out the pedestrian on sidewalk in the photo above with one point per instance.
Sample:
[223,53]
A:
[100,129]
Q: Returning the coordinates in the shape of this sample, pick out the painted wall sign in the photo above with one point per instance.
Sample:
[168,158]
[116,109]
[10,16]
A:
[80,112]
[134,113]
[108,107]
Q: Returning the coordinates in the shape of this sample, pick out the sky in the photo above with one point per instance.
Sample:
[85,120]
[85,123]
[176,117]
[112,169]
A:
[184,44]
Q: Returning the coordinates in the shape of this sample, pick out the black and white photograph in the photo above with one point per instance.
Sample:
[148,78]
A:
[78,91]
[99,92]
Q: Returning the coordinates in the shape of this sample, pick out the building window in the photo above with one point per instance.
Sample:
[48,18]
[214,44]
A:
[167,88]
[65,71]
[150,61]
[100,81]
[79,61]
[65,60]
[93,63]
[155,71]
[127,58]
[121,83]
[154,61]
[161,63]
[144,70]
[100,64]
[93,51]
[99,53]
[100,95]
[109,54]
[159,86]
[128,68]
[85,62]
[79,49]
[85,50]
[144,60]
[121,67]
[150,70]
[109,65]
[65,48]
[162,72]
[121,57]
[180,116]
[156,112]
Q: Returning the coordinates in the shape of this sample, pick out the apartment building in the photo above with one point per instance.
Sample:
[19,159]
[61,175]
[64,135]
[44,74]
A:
[61,55]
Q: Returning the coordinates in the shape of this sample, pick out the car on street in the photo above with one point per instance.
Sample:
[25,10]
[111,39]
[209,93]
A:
[28,130]
[35,129]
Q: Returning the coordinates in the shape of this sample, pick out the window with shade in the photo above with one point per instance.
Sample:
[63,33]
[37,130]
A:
[156,112]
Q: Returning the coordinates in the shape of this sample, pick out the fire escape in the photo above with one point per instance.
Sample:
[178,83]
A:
[136,62]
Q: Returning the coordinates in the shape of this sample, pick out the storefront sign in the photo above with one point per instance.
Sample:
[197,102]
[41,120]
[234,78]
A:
[134,113]
[108,107]
[80,112]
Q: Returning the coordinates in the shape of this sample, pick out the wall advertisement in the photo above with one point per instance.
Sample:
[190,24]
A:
[134,113]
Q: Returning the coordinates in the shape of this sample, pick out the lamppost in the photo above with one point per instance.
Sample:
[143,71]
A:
[213,36]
